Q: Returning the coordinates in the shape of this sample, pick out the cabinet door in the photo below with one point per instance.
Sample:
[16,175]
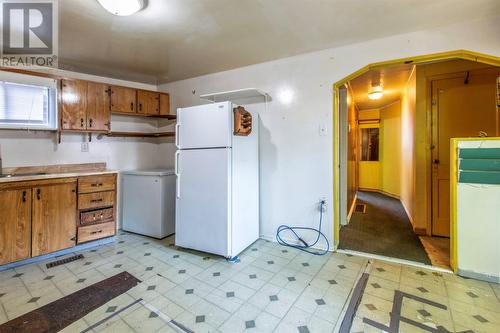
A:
[74,105]
[164,104]
[15,225]
[149,102]
[98,114]
[53,218]
[123,100]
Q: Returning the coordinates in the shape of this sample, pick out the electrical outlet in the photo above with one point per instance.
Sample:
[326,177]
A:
[324,206]
[85,147]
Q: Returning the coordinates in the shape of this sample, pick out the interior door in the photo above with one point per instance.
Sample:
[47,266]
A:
[74,105]
[98,115]
[54,218]
[459,110]
[203,204]
[15,225]
[204,126]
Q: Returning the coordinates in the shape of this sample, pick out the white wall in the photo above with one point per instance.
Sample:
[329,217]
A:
[296,162]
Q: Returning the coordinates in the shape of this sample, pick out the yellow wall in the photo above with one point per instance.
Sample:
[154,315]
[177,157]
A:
[390,149]
[369,171]
[383,175]
[369,175]
[408,162]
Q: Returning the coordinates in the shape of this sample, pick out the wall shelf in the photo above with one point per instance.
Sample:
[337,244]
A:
[248,94]
[139,134]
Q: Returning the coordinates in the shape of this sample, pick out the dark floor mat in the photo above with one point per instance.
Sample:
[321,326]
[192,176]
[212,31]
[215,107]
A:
[384,229]
[59,314]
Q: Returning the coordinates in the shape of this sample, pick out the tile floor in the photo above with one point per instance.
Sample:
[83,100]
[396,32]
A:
[272,289]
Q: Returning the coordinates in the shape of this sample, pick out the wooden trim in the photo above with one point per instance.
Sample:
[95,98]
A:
[58,168]
[168,116]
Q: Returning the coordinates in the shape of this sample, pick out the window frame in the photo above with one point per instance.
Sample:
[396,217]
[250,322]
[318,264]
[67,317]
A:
[52,122]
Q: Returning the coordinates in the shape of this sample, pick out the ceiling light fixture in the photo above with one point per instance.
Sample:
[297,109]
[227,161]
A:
[122,7]
[377,93]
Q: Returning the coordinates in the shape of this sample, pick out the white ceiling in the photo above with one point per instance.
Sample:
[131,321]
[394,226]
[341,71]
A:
[177,39]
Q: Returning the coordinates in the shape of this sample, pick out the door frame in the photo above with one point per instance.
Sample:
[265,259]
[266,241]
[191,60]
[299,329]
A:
[451,55]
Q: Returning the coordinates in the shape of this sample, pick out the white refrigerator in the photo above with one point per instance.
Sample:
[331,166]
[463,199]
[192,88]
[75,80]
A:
[217,192]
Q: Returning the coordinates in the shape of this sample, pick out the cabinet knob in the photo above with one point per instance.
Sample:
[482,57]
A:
[81,122]
[38,194]
[132,106]
[24,196]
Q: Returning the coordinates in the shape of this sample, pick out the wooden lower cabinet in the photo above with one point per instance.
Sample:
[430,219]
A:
[53,218]
[96,231]
[15,225]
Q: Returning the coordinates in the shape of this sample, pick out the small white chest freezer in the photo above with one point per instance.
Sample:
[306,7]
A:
[149,202]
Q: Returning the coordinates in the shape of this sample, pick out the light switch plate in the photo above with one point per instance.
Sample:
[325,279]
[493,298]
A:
[85,147]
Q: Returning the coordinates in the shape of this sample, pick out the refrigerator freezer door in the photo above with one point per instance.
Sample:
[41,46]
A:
[204,126]
[203,204]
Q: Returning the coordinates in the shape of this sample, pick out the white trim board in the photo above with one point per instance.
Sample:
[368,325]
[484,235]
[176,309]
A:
[395,260]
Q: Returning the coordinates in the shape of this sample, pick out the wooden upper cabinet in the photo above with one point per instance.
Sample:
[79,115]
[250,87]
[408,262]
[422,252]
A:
[74,105]
[148,102]
[15,225]
[53,218]
[123,100]
[98,113]
[164,104]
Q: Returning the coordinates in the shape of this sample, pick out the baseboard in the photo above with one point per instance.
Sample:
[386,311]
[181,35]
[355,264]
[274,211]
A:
[351,210]
[420,231]
[479,276]
[71,250]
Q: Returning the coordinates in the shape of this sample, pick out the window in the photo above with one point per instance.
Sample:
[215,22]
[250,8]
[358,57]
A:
[369,144]
[28,106]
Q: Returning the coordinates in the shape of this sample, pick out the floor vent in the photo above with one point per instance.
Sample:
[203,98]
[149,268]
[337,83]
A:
[361,208]
[64,261]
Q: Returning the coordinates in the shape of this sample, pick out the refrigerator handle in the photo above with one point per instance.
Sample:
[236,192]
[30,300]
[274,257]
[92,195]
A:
[177,135]
[177,173]
[176,168]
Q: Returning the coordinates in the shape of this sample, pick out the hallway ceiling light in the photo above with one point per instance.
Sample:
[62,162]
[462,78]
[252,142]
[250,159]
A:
[376,94]
[122,7]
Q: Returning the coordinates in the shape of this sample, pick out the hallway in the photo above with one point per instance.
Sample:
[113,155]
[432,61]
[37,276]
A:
[383,228]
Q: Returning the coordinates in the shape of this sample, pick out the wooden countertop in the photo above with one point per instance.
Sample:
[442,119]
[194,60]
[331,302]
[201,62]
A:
[43,172]
[55,176]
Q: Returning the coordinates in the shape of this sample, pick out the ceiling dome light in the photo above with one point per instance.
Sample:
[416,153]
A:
[376,94]
[122,7]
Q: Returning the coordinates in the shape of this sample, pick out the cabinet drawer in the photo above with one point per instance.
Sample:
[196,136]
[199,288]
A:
[97,216]
[96,200]
[96,231]
[92,184]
